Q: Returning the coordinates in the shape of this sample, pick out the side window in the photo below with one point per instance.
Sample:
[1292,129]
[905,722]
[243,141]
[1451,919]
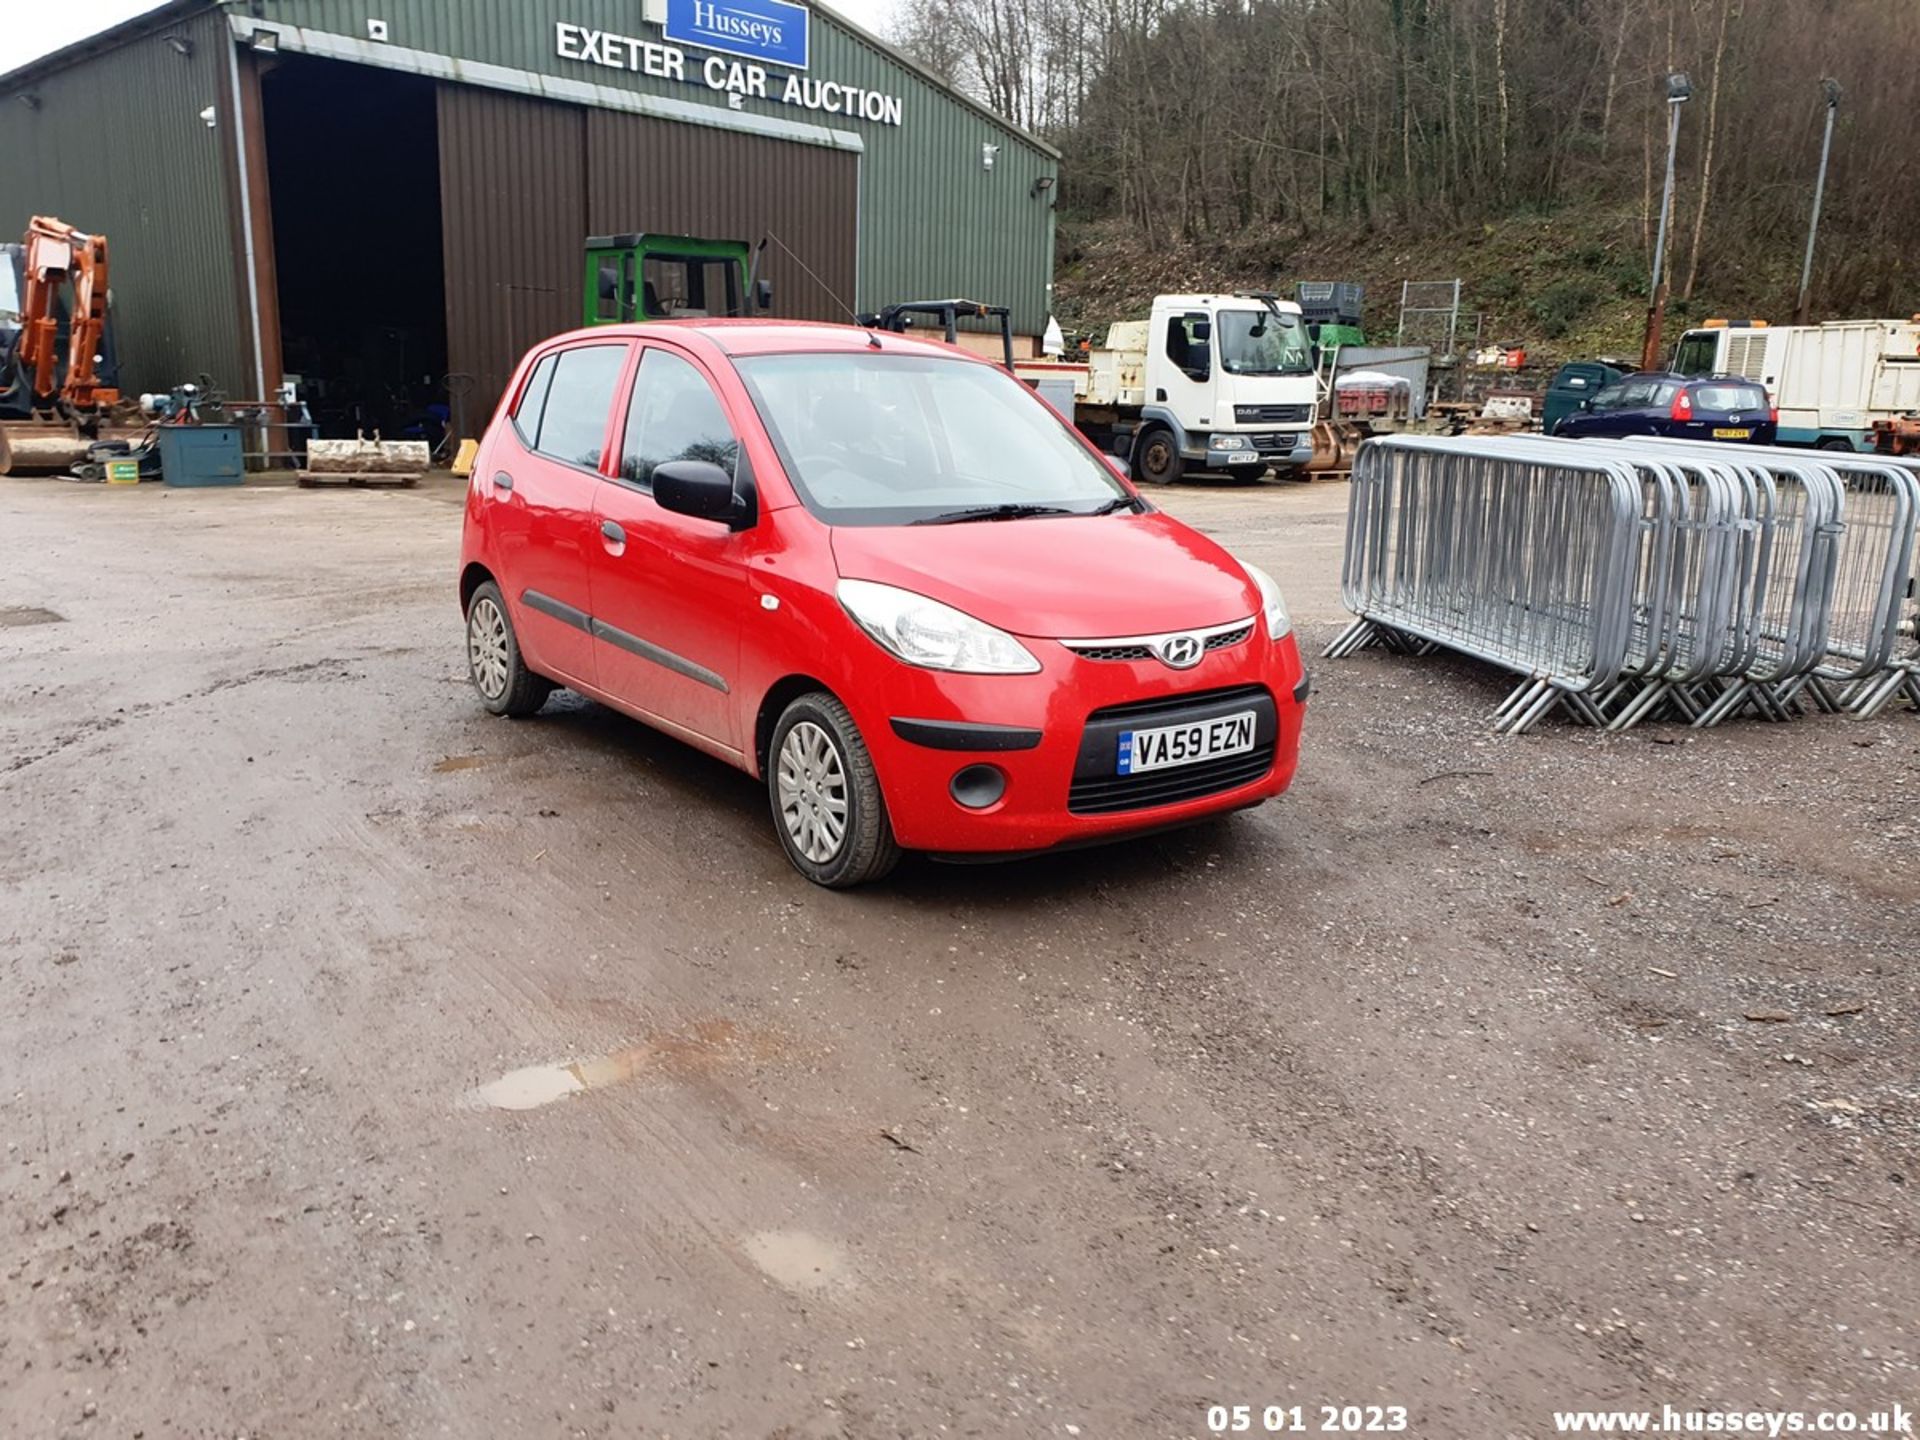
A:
[674,415]
[579,399]
[533,400]
[1185,346]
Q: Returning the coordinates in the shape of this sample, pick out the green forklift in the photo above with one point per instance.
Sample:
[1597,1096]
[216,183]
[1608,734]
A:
[671,277]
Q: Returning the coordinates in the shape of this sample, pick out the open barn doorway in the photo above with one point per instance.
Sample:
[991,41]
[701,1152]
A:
[353,164]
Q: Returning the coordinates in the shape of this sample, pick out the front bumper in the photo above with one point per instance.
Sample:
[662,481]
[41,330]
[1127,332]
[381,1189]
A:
[1266,450]
[1047,735]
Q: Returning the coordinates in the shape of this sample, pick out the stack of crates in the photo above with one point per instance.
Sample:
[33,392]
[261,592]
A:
[1330,302]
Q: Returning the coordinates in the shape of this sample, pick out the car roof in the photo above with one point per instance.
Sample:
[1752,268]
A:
[739,337]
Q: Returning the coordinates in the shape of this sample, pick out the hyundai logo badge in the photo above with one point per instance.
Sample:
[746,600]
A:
[1182,652]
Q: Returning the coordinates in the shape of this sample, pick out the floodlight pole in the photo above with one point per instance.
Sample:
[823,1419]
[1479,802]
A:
[1832,90]
[1679,91]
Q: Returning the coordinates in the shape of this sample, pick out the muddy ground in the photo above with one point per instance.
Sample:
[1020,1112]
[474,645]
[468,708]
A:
[1484,1077]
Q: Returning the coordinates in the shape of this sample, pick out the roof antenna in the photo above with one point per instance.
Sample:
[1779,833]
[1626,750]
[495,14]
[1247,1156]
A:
[872,339]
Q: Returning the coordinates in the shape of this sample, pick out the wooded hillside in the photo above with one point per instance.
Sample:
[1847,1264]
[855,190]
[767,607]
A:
[1193,125]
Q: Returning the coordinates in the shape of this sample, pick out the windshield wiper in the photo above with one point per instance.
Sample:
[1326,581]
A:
[996,512]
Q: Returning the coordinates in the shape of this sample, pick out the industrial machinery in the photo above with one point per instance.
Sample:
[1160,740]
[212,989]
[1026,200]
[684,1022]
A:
[668,277]
[57,399]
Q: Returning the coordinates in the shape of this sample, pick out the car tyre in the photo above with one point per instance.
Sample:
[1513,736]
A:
[505,684]
[825,796]
[1834,442]
[1156,459]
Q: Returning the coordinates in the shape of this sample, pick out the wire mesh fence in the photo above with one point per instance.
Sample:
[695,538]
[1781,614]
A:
[1640,579]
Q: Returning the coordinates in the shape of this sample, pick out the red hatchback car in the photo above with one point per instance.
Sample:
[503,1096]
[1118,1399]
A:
[881,574]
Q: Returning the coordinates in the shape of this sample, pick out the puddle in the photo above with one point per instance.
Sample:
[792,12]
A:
[704,1048]
[16,615]
[797,1260]
[462,762]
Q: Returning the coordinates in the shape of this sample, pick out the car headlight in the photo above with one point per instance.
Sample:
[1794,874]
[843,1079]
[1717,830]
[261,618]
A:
[1229,442]
[1273,605]
[924,632]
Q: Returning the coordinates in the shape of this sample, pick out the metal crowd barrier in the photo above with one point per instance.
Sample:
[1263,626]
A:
[1632,579]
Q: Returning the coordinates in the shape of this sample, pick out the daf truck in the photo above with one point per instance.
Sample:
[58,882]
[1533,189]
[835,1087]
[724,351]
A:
[1204,383]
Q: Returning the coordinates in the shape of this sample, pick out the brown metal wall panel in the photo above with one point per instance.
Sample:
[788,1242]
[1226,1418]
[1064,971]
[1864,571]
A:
[662,177]
[514,216]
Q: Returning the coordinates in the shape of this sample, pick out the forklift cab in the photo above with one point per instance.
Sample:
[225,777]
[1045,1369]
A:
[671,277]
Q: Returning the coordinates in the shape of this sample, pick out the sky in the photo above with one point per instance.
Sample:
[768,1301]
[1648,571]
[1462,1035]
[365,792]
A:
[32,29]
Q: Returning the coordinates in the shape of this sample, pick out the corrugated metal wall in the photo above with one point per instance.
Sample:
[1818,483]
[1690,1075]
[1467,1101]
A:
[524,182]
[513,185]
[934,221]
[117,146]
[645,174]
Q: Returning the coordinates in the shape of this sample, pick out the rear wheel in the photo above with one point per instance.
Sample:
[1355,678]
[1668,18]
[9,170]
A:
[506,685]
[1833,442]
[827,807]
[1156,460]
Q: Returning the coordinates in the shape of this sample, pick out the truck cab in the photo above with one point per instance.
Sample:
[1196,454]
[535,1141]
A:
[1225,382]
[637,277]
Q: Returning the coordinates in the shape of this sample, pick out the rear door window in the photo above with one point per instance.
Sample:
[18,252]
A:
[1729,397]
[573,426]
[674,415]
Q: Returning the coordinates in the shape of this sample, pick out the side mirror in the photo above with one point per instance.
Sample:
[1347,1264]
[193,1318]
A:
[695,487]
[1202,332]
[1118,466]
[1585,404]
[609,280]
[763,294]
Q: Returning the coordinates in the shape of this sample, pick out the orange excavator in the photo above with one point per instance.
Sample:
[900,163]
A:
[54,403]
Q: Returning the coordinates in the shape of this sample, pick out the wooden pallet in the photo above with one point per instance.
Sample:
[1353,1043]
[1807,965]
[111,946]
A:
[314,479]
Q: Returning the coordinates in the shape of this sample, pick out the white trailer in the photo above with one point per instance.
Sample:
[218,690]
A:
[1206,382]
[1829,382]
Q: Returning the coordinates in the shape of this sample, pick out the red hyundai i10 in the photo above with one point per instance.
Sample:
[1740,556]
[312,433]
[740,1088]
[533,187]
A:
[879,573]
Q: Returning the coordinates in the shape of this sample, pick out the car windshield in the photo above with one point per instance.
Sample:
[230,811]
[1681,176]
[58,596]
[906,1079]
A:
[1259,342]
[871,438]
[1729,397]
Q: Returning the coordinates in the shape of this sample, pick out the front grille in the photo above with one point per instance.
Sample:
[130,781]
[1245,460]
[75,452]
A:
[1272,414]
[1172,709]
[1109,793]
[1273,441]
[1229,637]
[1116,652]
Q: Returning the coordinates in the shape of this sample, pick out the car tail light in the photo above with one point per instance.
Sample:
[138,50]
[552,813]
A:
[1682,406]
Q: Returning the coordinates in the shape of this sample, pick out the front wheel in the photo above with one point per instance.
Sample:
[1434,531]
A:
[506,685]
[827,807]
[1157,460]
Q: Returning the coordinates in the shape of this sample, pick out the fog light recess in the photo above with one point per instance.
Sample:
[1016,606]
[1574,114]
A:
[978,786]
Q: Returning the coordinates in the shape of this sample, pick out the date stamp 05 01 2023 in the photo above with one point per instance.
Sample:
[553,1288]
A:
[1306,1419]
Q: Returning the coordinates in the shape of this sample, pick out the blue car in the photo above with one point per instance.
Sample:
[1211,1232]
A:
[1700,407]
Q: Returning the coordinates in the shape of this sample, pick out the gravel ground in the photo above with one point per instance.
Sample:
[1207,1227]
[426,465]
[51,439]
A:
[369,1066]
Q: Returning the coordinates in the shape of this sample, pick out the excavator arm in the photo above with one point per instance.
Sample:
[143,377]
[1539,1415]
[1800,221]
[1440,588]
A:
[56,256]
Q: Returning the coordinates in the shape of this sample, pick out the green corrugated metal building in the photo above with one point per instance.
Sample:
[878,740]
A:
[375,195]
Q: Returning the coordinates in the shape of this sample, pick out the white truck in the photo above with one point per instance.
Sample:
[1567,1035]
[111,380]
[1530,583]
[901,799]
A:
[1206,382]
[1829,382]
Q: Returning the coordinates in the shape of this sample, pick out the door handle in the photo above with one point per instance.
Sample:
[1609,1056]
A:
[612,533]
[503,481]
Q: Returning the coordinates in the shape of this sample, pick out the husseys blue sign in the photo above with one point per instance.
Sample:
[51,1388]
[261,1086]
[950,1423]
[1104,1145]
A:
[772,30]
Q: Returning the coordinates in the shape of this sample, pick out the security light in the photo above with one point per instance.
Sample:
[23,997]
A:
[1679,88]
[1041,185]
[988,154]
[180,44]
[1832,89]
[266,42]
[29,99]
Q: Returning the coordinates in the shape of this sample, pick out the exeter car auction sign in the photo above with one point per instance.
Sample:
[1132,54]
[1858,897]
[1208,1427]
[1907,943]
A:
[756,30]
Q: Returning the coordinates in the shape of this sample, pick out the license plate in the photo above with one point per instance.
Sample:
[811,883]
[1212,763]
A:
[1241,457]
[1733,434]
[1168,745]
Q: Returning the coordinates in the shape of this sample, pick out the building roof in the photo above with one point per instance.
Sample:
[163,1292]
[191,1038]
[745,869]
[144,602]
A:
[148,21]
